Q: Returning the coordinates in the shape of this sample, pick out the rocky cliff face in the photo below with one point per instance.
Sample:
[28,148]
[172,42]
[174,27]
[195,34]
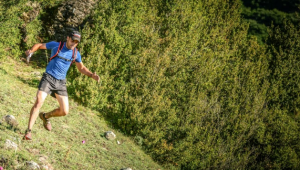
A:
[71,15]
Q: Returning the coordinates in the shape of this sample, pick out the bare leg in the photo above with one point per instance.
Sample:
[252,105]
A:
[40,98]
[63,109]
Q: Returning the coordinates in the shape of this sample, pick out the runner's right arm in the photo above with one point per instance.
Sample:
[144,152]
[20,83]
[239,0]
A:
[35,48]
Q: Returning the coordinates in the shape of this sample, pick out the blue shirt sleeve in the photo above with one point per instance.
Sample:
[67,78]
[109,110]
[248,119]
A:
[51,45]
[78,57]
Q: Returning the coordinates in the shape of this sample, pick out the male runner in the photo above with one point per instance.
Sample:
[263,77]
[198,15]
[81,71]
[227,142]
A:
[53,81]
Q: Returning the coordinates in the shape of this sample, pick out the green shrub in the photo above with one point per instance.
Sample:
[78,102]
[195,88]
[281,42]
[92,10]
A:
[284,61]
[183,77]
[10,37]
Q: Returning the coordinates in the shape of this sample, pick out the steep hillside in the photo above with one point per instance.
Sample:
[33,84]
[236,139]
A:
[62,148]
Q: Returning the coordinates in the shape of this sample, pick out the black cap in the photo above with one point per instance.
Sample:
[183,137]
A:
[75,35]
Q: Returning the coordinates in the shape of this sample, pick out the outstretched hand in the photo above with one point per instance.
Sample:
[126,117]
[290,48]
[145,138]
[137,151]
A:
[96,77]
[28,55]
[28,52]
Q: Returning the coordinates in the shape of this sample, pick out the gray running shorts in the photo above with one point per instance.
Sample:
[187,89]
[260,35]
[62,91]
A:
[51,85]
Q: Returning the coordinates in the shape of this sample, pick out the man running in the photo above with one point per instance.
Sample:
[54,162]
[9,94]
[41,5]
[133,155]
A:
[53,81]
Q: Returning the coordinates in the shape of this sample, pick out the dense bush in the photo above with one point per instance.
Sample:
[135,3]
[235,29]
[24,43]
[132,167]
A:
[284,62]
[188,83]
[10,37]
[282,143]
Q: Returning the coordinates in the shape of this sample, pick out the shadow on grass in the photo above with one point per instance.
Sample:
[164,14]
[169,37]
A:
[37,61]
[15,127]
[31,82]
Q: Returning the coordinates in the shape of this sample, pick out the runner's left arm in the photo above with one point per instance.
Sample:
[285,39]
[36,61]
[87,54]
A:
[86,71]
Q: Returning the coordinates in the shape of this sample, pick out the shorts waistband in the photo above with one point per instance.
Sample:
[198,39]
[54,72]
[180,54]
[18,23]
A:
[50,76]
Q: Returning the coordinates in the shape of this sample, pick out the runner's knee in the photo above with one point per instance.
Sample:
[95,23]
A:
[38,104]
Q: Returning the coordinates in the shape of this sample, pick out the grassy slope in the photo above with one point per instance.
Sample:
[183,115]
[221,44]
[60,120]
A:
[61,148]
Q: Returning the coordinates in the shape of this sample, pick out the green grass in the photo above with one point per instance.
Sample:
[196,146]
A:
[61,148]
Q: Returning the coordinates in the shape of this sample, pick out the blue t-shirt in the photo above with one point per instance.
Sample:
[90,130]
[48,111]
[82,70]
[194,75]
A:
[58,67]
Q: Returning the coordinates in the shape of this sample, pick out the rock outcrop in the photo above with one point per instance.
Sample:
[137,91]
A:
[71,15]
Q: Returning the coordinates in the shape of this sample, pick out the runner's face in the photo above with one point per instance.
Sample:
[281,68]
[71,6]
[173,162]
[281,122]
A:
[71,44]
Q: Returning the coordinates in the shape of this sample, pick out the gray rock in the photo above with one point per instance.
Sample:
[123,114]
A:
[10,145]
[30,165]
[11,120]
[110,135]
[8,118]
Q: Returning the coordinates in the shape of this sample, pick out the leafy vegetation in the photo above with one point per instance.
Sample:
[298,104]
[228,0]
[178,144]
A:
[189,84]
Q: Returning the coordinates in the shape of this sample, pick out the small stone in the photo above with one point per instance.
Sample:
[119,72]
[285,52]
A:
[126,169]
[118,142]
[30,165]
[110,135]
[11,120]
[10,145]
